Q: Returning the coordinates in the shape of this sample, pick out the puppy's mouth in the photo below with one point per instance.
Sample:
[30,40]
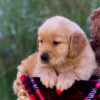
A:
[44,58]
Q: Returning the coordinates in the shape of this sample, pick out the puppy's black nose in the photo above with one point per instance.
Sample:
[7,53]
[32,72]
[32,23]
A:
[44,57]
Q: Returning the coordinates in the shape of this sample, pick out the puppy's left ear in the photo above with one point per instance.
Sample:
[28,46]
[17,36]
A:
[78,43]
[37,48]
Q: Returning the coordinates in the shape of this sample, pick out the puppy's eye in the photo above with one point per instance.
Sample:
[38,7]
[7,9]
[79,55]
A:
[41,41]
[56,42]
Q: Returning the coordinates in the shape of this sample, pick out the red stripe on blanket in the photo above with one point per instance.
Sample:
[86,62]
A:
[32,97]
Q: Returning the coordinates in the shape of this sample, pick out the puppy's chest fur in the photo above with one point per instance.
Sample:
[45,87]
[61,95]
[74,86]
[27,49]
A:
[70,64]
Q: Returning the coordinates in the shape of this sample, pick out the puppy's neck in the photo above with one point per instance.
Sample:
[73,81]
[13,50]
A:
[66,66]
[69,61]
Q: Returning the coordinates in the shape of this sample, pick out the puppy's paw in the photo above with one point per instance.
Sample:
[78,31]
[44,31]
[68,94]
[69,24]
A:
[64,82]
[49,79]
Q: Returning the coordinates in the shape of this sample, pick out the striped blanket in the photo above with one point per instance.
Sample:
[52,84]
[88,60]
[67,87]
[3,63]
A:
[81,90]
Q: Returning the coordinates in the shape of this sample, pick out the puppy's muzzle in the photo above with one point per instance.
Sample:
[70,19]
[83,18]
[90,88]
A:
[45,57]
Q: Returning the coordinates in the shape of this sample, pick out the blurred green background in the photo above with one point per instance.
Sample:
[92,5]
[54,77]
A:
[19,20]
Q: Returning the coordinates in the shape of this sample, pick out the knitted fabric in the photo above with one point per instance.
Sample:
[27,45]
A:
[81,90]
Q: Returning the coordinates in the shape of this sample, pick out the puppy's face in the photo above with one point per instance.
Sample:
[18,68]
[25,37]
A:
[55,41]
[53,48]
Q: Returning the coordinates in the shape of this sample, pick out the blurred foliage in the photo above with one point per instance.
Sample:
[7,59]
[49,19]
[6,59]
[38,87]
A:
[19,21]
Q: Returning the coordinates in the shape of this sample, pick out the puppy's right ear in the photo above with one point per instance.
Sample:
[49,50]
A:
[37,45]
[77,44]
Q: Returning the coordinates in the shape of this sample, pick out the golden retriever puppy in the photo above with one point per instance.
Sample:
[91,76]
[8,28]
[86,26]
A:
[63,54]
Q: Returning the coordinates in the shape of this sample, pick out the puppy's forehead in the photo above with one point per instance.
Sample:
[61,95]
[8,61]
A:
[52,34]
[51,37]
